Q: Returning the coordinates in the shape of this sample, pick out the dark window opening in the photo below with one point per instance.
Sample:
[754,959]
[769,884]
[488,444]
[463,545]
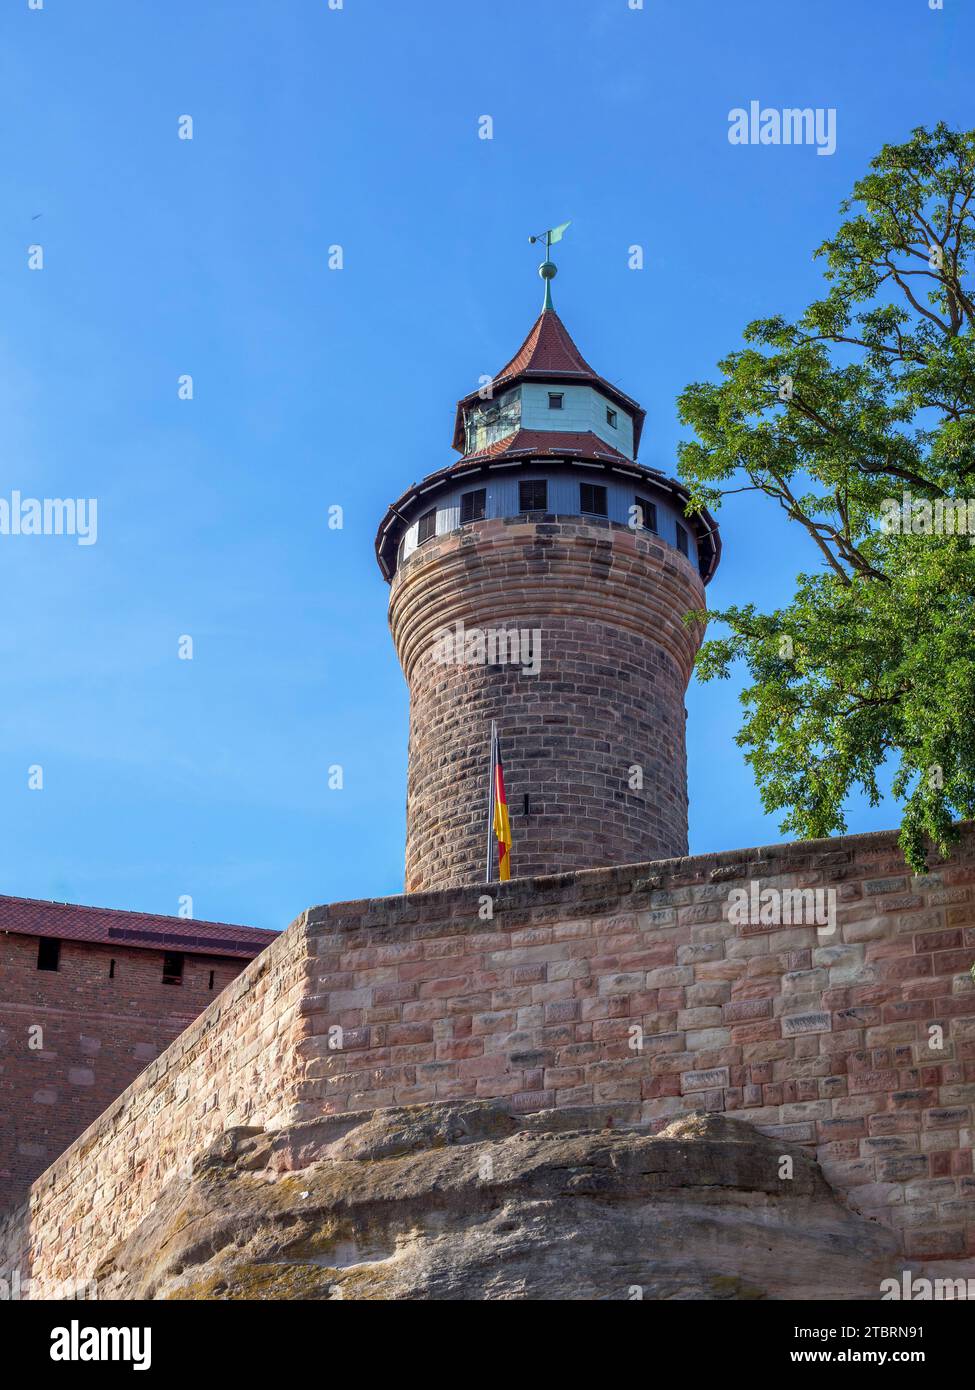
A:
[426,526]
[648,514]
[210,985]
[111,969]
[48,953]
[172,968]
[528,805]
[592,499]
[533,495]
[472,505]
[681,539]
[611,417]
[555,399]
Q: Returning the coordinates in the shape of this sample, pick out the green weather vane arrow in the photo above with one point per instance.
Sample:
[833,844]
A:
[548,269]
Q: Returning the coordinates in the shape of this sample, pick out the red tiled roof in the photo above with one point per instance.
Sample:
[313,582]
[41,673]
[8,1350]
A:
[109,927]
[559,442]
[549,354]
[548,348]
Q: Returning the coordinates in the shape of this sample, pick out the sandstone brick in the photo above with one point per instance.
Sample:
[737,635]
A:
[794,1133]
[703,1080]
[699,1018]
[705,1039]
[793,1024]
[611,659]
[845,1067]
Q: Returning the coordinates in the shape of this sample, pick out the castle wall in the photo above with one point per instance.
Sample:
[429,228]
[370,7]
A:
[233,1066]
[72,1039]
[604,606]
[819,1039]
[826,1040]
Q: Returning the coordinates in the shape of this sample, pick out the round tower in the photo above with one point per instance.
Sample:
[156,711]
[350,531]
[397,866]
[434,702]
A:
[542,582]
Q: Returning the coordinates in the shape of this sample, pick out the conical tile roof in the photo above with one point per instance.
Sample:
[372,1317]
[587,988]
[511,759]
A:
[549,354]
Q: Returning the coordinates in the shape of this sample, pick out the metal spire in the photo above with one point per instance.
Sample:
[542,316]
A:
[548,269]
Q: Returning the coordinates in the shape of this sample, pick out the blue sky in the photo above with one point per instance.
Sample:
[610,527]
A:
[315,387]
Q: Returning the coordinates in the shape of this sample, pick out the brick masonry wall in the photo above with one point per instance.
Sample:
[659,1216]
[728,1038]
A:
[71,1040]
[234,1065]
[608,604]
[819,1040]
[822,1041]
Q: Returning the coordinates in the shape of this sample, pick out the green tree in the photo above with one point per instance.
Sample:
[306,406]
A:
[860,414]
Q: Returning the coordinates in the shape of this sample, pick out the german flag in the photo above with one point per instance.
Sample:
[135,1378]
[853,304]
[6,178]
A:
[502,825]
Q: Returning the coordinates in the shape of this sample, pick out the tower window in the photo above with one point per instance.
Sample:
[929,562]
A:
[472,505]
[212,973]
[111,969]
[592,499]
[681,539]
[555,399]
[48,953]
[611,417]
[426,526]
[648,514]
[533,495]
[172,968]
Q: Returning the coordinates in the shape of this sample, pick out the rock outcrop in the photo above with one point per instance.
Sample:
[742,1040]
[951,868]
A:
[468,1201]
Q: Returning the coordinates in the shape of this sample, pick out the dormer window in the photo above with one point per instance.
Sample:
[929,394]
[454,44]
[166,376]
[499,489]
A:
[426,526]
[682,539]
[611,417]
[555,399]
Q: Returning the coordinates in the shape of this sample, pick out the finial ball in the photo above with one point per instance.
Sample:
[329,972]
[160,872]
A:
[548,270]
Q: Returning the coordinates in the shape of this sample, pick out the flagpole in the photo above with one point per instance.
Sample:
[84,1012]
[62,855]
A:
[490,824]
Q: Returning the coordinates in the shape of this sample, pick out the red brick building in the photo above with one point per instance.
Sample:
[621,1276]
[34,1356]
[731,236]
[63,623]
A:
[88,997]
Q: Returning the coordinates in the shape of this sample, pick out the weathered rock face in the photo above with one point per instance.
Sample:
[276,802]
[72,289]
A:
[468,1201]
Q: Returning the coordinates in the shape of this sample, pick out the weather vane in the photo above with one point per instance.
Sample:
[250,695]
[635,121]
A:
[548,269]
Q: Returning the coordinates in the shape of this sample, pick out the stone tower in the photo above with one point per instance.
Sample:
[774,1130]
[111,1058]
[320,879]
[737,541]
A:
[542,581]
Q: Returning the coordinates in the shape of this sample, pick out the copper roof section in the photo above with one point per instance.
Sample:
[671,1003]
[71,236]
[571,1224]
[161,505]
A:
[104,926]
[549,354]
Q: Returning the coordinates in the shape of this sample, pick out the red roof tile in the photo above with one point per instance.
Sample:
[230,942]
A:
[549,354]
[109,927]
[554,442]
[547,349]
